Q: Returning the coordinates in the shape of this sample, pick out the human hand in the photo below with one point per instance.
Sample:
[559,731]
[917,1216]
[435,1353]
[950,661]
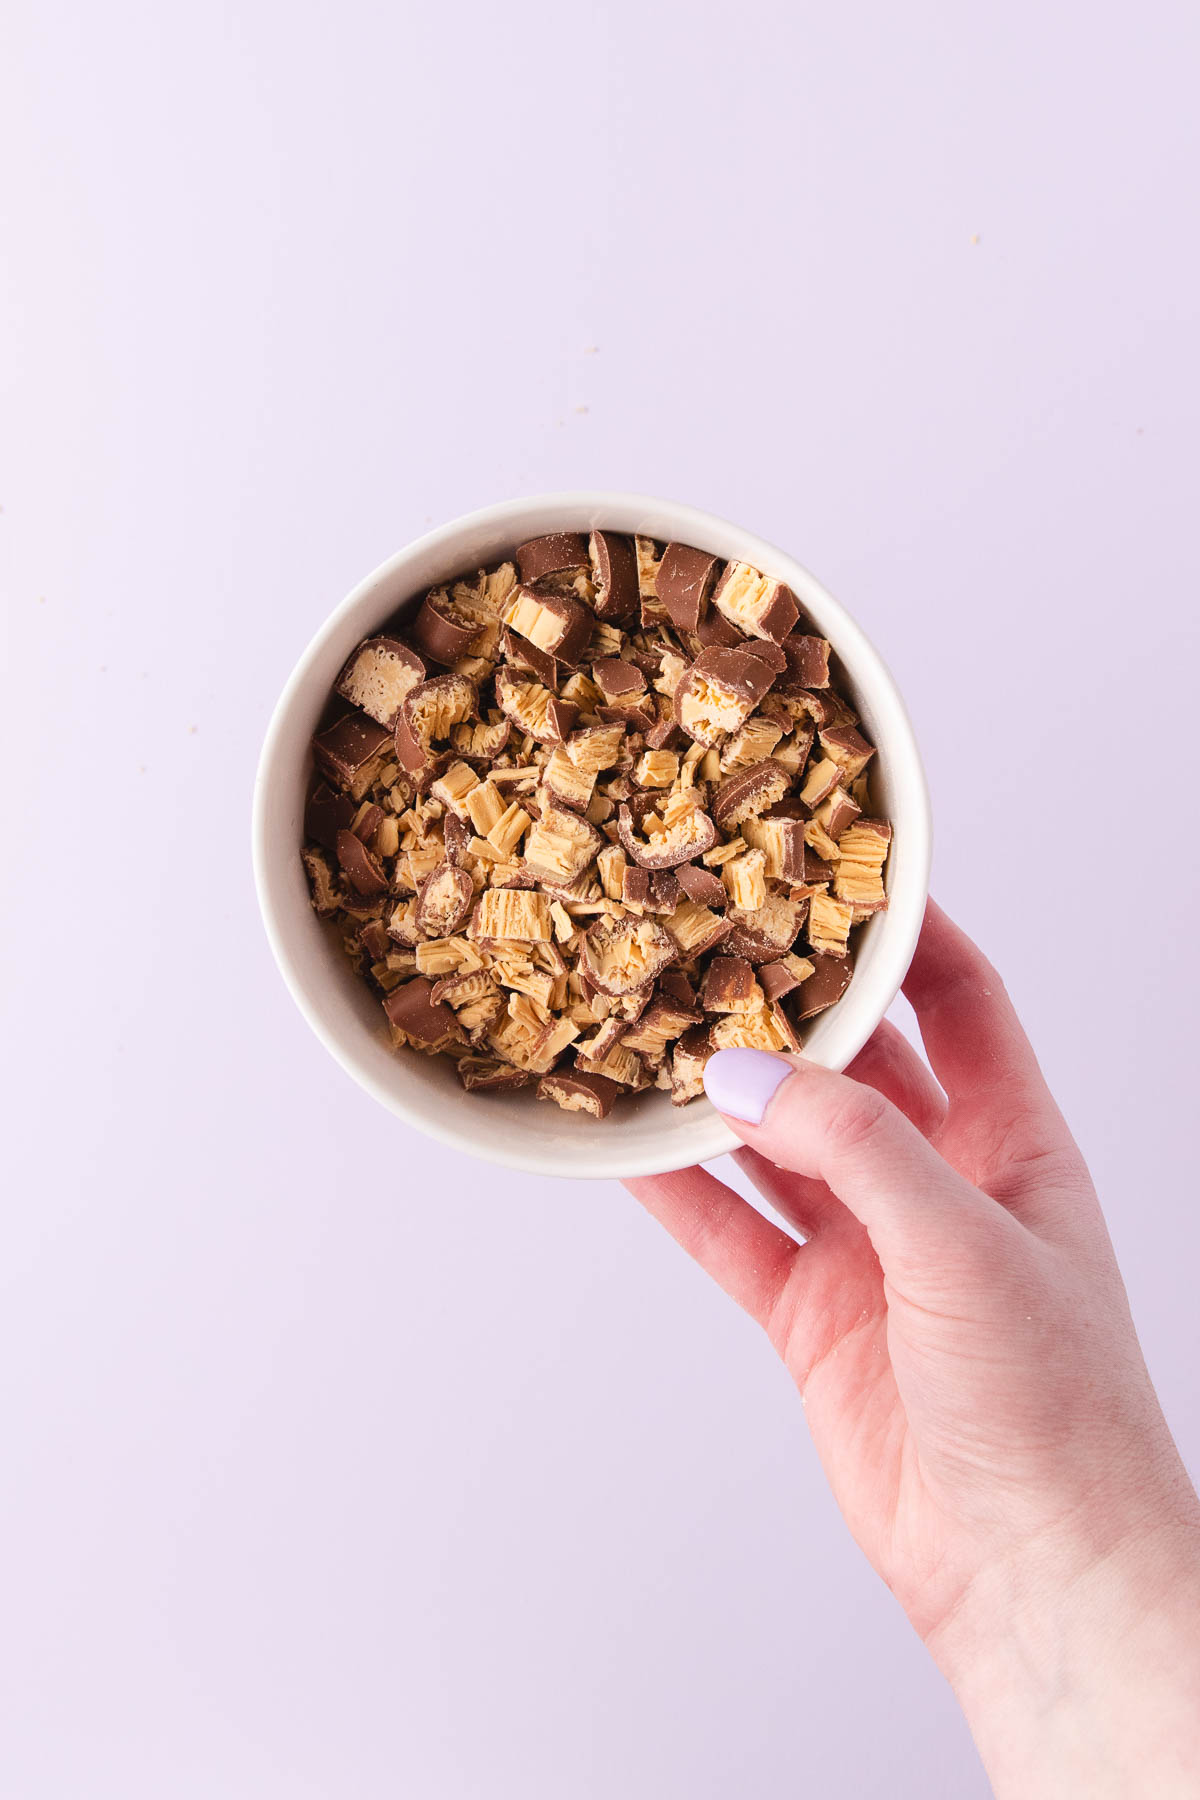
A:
[960,1333]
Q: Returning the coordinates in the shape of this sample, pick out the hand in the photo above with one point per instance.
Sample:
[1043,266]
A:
[957,1325]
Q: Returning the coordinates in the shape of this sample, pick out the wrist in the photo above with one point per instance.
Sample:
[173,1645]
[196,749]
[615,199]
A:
[1078,1667]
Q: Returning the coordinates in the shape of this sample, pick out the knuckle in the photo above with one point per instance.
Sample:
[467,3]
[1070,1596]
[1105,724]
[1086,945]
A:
[857,1120]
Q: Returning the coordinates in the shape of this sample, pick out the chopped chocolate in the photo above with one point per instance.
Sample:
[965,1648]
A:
[327,813]
[847,748]
[719,692]
[378,676]
[676,833]
[749,792]
[729,985]
[534,709]
[621,955]
[561,553]
[782,977]
[444,900]
[690,1055]
[429,714]
[326,896]
[808,660]
[443,630]
[484,1075]
[412,1009]
[350,753]
[758,606]
[363,871]
[614,575]
[367,821]
[685,579]
[827,983]
[578,1091]
[619,682]
[701,885]
[552,622]
[522,654]
[768,932]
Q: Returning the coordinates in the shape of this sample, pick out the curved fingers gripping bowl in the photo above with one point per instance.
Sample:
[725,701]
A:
[646,1135]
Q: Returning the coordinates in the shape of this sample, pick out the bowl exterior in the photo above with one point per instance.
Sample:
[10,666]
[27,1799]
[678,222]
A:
[519,1131]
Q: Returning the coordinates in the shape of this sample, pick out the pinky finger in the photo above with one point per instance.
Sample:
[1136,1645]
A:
[743,1252]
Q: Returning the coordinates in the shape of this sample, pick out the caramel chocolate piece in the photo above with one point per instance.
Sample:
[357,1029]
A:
[820,780]
[765,1028]
[363,871]
[622,955]
[350,753]
[687,1065]
[749,792]
[636,715]
[614,575]
[770,652]
[412,1009]
[457,838]
[513,914]
[326,898]
[767,933]
[827,983]
[782,977]
[444,899]
[757,605]
[729,985]
[373,937]
[562,845]
[829,923]
[836,814]
[579,1091]
[701,885]
[676,986]
[551,622]
[684,582]
[428,716]
[714,633]
[719,692]
[442,629]
[859,876]
[366,821]
[847,748]
[663,1020]
[685,832]
[524,655]
[534,709]
[745,878]
[561,553]
[782,844]
[664,734]
[484,1075]
[327,813]
[378,676]
[696,929]
[619,682]
[808,660]
[481,740]
[402,926]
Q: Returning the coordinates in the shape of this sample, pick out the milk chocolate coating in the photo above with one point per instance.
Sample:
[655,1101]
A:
[523,655]
[412,1009]
[704,886]
[685,579]
[411,750]
[369,824]
[739,670]
[754,789]
[377,676]
[808,660]
[676,986]
[444,899]
[346,748]
[618,680]
[727,979]
[327,813]
[491,1081]
[716,632]
[770,652]
[759,944]
[363,871]
[614,575]
[828,982]
[457,839]
[666,852]
[440,635]
[596,1091]
[574,625]
[553,554]
[777,980]
[374,939]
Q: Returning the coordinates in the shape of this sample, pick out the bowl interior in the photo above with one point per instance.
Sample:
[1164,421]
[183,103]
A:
[646,1134]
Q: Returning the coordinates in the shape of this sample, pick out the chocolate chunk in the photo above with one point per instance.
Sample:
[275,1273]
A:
[362,870]
[676,986]
[350,753]
[457,838]
[768,932]
[771,653]
[327,813]
[402,925]
[483,1075]
[780,978]
[326,896]
[749,792]
[716,633]
[367,822]
[719,692]
[558,553]
[808,660]
[622,955]
[523,655]
[729,986]
[827,983]
[444,900]
[428,716]
[618,681]
[685,580]
[412,1009]
[378,676]
[579,1091]
[687,1065]
[701,885]
[443,632]
[553,622]
[614,575]
[757,605]
[687,833]
[534,708]
[374,939]
[847,748]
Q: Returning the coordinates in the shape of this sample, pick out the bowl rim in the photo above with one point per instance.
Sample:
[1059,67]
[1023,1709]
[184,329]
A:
[711,1137]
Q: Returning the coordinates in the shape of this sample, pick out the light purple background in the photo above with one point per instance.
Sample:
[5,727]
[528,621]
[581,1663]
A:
[334,1464]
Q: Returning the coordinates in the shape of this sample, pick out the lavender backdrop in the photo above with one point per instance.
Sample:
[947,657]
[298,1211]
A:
[332,1464]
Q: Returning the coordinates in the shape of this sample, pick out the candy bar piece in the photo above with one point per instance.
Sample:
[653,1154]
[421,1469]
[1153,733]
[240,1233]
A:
[363,871]
[322,882]
[718,693]
[748,793]
[614,575]
[745,880]
[715,633]
[820,840]
[664,734]
[728,985]
[428,716]
[782,977]
[687,1065]
[366,821]
[859,876]
[457,838]
[534,709]
[402,926]
[820,781]
[701,885]
[513,913]
[757,605]
[621,955]
[665,893]
[684,582]
[678,833]
[378,676]
[635,885]
[618,1064]
[559,553]
[444,900]
[847,748]
[768,1028]
[656,769]
[697,929]
[554,623]
[827,983]
[579,1091]
[351,753]
[443,629]
[484,1075]
[522,654]
[619,682]
[676,986]
[808,660]
[481,740]
[595,747]
[412,1009]
[568,783]
[836,814]
[829,923]
[562,845]
[781,842]
[663,1020]
[327,813]
[769,932]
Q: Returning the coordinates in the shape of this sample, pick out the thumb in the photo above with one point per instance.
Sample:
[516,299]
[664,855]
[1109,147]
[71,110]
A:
[817,1123]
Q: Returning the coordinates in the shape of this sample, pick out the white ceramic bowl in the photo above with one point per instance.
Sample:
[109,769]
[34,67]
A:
[648,1134]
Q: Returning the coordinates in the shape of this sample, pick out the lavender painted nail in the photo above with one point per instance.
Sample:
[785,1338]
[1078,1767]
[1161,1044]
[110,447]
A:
[741,1082]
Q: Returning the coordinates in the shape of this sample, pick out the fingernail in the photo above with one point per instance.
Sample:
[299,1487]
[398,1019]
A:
[741,1082]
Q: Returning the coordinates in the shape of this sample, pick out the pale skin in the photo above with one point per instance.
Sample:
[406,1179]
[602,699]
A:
[958,1328]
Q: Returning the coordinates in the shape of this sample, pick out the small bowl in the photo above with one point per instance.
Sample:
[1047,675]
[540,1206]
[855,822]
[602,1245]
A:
[646,1135]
